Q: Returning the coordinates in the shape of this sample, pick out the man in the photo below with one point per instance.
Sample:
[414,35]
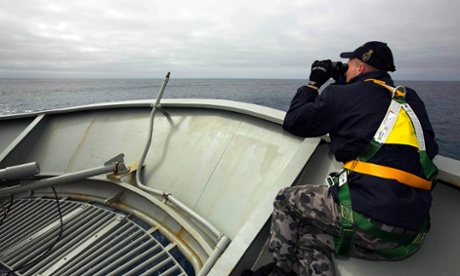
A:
[310,222]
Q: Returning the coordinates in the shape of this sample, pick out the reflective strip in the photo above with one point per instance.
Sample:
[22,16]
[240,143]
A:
[417,126]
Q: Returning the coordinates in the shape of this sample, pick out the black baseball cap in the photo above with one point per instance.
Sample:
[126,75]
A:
[376,54]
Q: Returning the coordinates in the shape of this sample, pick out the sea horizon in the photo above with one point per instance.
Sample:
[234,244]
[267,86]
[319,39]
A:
[21,95]
[185,78]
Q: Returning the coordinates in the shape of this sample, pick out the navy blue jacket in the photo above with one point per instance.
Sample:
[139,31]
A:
[351,114]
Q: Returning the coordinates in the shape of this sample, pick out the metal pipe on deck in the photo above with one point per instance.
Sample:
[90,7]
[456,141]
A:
[65,178]
[20,171]
[223,240]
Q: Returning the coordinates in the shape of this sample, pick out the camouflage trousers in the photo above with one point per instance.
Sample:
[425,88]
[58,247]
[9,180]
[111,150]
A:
[305,220]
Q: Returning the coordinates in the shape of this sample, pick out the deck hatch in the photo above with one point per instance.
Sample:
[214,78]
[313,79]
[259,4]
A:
[95,241]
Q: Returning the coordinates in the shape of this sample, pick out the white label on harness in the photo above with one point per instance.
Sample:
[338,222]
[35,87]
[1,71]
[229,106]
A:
[342,178]
[388,123]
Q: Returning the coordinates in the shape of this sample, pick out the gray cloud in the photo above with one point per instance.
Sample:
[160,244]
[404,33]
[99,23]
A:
[215,38]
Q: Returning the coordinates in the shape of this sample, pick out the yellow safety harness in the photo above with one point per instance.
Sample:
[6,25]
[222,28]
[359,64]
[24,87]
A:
[399,126]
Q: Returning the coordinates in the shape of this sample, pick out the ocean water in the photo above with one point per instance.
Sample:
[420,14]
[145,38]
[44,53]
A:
[442,98]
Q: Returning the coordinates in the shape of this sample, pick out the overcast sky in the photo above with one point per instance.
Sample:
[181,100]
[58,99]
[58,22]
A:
[222,39]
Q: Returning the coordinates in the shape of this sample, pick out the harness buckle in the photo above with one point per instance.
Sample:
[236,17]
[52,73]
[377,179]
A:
[330,180]
[339,177]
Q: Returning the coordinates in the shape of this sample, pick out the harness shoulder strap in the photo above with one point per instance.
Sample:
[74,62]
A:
[400,114]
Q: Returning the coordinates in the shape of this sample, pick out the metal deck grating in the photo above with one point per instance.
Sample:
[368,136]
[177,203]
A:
[95,241]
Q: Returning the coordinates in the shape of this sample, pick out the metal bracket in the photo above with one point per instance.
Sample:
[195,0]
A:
[117,159]
[115,198]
